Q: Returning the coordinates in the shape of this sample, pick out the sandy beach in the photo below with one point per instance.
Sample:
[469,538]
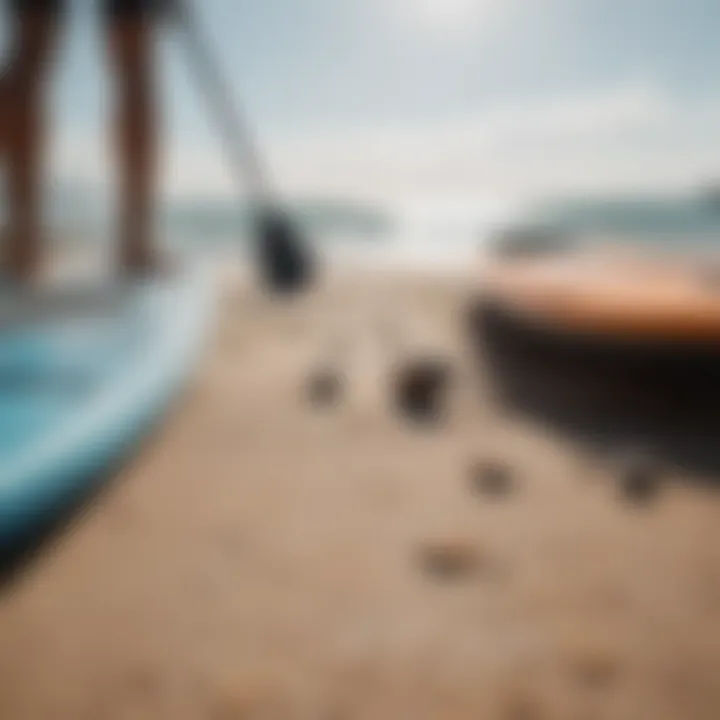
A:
[283,551]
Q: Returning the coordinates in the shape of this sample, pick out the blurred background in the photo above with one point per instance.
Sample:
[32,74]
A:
[483,490]
[438,117]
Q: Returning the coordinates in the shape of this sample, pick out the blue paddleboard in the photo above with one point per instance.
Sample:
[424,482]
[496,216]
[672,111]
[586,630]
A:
[84,374]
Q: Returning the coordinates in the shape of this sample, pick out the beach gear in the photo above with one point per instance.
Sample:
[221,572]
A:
[85,372]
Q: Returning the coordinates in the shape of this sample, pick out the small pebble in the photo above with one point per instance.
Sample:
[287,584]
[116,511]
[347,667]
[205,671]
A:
[421,390]
[595,669]
[493,479]
[522,707]
[451,560]
[324,388]
[639,479]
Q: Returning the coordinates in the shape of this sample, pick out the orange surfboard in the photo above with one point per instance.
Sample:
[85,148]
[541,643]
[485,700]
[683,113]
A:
[623,295]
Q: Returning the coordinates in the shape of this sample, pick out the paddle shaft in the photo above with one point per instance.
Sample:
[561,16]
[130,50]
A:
[242,150]
[285,262]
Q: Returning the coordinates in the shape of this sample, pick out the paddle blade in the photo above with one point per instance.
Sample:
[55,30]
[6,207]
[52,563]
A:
[286,262]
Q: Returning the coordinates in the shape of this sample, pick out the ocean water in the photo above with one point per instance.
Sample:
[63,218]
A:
[451,232]
[664,219]
[431,232]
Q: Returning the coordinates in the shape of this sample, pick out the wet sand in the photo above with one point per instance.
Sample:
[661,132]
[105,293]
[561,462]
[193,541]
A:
[281,553]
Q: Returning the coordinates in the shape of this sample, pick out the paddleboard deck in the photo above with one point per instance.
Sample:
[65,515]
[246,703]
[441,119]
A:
[84,374]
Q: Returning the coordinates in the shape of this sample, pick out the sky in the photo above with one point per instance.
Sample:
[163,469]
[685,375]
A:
[416,98]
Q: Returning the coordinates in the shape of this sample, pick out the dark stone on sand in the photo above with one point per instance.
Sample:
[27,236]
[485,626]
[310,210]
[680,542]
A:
[521,706]
[324,388]
[450,560]
[492,479]
[639,478]
[421,389]
[595,669]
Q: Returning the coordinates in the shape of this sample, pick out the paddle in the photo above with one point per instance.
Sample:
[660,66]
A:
[285,260]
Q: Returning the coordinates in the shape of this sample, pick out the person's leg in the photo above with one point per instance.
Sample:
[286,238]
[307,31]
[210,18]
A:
[4,103]
[131,39]
[22,95]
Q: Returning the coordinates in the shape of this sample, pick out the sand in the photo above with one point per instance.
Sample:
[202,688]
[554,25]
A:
[278,554]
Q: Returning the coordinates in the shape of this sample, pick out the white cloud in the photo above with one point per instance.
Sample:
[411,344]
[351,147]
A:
[457,17]
[448,13]
[630,135]
[632,105]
